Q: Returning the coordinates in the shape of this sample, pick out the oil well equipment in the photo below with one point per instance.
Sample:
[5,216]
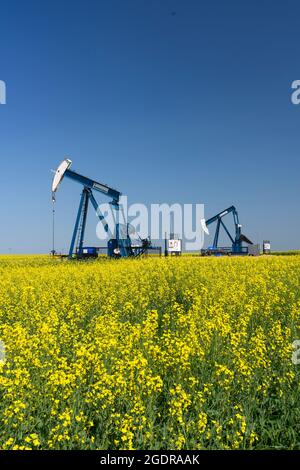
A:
[120,243]
[237,238]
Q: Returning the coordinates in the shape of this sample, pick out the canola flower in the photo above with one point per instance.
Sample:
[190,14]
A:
[189,353]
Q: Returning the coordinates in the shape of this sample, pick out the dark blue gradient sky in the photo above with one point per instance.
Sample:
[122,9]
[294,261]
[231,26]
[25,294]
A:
[168,101]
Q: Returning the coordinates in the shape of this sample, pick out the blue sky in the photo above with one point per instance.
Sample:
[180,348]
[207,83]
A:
[168,101]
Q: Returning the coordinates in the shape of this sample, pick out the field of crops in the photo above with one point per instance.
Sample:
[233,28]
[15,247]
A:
[185,353]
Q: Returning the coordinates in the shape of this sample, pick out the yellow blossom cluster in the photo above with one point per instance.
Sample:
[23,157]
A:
[152,353]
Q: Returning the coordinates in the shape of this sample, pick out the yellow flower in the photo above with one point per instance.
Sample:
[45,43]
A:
[155,352]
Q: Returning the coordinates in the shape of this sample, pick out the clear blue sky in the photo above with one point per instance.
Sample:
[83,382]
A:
[166,100]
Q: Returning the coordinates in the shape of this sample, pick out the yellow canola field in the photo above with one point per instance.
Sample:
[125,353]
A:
[157,353]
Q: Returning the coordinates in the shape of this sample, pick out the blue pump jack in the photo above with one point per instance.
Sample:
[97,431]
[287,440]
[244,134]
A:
[119,245]
[237,239]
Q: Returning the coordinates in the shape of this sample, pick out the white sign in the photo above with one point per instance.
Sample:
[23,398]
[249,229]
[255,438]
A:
[174,245]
